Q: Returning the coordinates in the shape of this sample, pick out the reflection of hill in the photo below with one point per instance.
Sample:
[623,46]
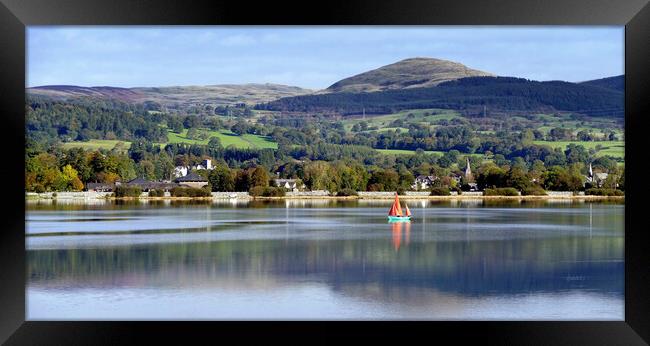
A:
[368,267]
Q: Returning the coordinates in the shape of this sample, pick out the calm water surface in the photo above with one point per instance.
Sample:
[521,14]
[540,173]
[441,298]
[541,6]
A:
[465,260]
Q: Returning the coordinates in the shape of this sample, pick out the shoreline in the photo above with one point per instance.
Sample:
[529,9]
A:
[444,198]
[342,198]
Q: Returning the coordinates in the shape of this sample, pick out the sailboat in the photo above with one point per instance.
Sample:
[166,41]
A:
[395,213]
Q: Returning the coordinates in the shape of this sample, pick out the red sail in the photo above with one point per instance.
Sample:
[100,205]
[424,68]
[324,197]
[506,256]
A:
[408,212]
[395,209]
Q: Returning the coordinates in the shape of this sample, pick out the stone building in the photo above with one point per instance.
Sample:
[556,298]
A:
[596,179]
[192,179]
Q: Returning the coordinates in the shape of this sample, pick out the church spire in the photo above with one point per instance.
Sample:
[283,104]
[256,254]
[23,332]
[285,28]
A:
[468,170]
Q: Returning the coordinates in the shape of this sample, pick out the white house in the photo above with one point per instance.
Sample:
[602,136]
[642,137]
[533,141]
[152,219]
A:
[181,171]
[289,184]
[205,164]
[423,182]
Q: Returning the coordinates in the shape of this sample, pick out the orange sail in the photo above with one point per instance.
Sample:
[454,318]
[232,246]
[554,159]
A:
[395,209]
[408,212]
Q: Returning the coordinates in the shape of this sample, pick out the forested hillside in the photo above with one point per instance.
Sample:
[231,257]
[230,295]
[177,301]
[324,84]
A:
[466,94]
[614,83]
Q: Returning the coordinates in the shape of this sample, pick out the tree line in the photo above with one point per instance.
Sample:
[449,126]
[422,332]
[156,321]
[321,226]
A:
[59,169]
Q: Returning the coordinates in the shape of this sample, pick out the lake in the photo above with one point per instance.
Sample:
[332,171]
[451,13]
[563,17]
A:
[324,259]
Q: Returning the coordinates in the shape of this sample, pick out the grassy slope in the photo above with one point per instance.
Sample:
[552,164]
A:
[382,121]
[611,148]
[227,138]
[412,152]
[402,152]
[94,144]
[260,142]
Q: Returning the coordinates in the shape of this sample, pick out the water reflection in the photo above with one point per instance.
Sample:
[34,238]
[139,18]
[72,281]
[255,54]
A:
[396,228]
[327,261]
[76,204]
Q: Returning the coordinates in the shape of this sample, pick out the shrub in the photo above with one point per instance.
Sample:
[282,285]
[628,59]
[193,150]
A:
[401,191]
[127,191]
[179,192]
[533,191]
[440,191]
[347,192]
[271,191]
[54,195]
[189,192]
[268,191]
[604,192]
[501,191]
[156,193]
[256,191]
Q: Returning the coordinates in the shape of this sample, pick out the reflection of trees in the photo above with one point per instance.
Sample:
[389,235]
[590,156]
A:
[468,268]
[101,204]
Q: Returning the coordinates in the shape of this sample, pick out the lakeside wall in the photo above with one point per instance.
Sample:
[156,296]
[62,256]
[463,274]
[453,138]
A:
[315,193]
[67,195]
[221,195]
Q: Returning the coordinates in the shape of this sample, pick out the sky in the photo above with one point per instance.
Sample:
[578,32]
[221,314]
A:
[308,57]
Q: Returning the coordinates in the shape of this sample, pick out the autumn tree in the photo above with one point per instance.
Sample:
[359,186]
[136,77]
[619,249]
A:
[259,177]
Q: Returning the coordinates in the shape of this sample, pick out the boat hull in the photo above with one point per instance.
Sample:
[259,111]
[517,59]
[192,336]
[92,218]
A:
[399,218]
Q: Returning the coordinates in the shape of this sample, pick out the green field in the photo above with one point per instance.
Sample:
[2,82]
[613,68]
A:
[610,148]
[385,129]
[419,116]
[412,152]
[227,138]
[593,124]
[95,144]
[401,152]
[260,142]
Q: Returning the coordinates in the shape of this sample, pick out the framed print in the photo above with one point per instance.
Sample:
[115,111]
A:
[368,170]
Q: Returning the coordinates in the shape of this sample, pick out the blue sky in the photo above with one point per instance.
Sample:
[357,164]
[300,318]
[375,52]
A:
[310,57]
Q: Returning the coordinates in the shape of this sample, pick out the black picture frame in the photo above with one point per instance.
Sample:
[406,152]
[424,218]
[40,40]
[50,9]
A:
[15,15]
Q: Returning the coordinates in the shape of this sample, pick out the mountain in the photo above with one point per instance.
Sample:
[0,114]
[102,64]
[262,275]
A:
[468,95]
[614,83]
[406,74]
[71,92]
[177,96]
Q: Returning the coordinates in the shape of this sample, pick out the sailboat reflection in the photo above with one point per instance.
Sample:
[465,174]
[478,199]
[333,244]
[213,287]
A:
[397,229]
